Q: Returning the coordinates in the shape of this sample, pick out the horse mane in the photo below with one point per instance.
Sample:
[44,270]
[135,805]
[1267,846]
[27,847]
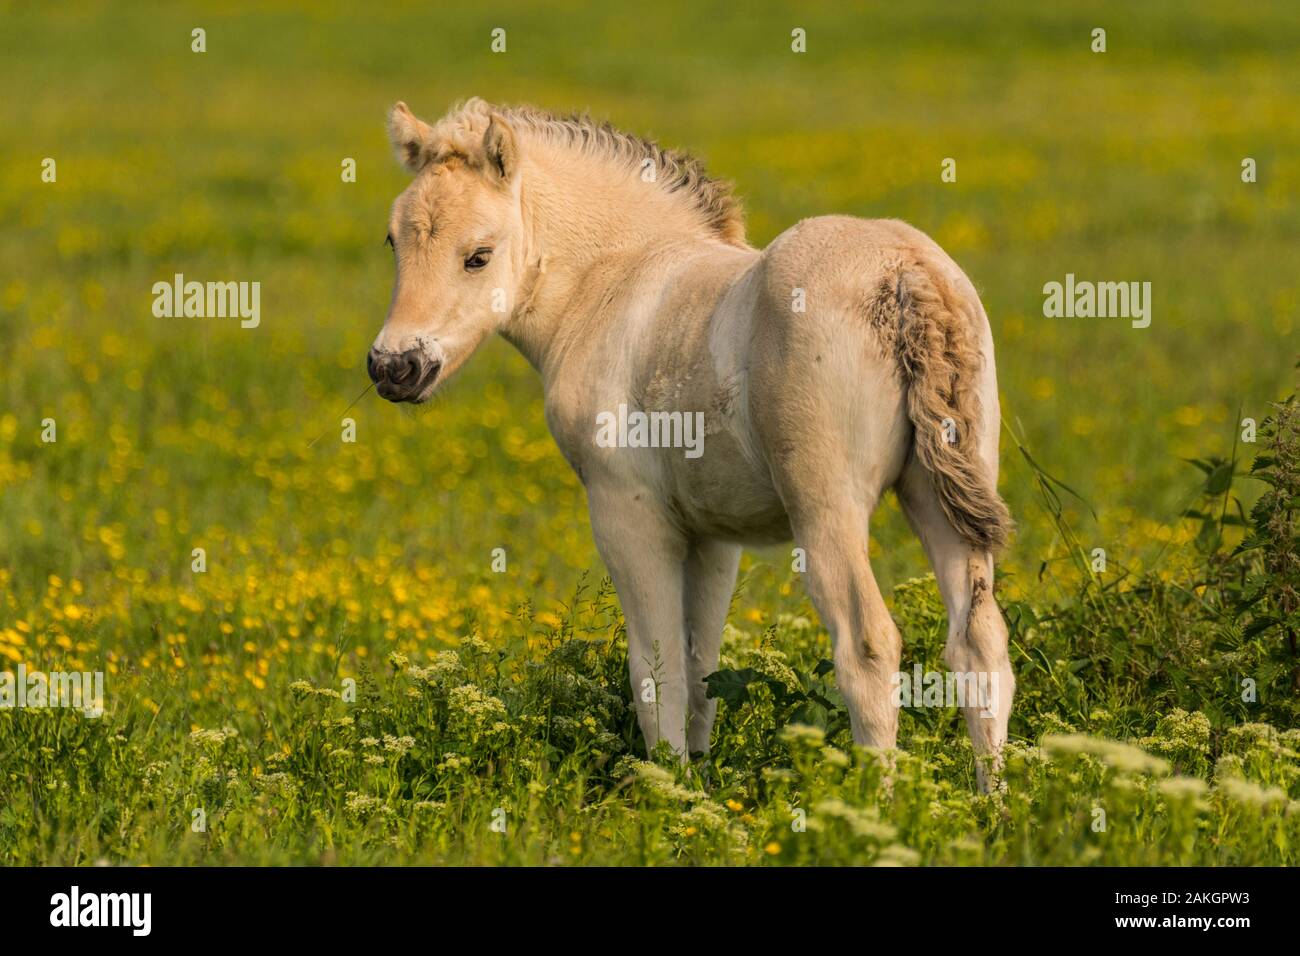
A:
[677,173]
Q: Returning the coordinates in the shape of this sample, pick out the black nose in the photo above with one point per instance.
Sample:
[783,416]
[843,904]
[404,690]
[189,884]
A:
[396,368]
[400,376]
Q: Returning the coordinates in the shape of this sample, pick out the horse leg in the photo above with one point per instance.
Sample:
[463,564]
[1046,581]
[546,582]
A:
[710,580]
[834,425]
[977,634]
[646,555]
[865,641]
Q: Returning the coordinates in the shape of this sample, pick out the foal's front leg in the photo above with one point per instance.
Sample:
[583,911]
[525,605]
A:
[645,553]
[710,581]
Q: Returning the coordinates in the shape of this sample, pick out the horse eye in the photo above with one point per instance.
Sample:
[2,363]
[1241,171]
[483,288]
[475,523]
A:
[478,259]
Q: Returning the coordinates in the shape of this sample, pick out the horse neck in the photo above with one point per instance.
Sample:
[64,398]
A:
[577,213]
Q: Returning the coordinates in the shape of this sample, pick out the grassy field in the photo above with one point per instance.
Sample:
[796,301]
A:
[491,721]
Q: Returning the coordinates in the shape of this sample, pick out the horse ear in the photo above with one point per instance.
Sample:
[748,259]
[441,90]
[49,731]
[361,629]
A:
[501,148]
[409,137]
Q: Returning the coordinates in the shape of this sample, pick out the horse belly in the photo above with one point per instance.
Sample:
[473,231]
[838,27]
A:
[722,495]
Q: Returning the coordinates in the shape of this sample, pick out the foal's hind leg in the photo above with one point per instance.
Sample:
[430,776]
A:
[977,634]
[865,641]
[837,438]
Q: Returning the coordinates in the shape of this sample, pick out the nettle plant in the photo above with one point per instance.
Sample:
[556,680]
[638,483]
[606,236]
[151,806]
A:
[1272,591]
[1256,584]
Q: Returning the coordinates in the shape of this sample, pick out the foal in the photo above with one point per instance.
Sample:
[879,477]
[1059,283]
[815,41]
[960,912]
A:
[848,357]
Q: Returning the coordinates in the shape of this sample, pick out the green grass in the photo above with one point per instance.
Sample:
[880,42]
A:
[175,434]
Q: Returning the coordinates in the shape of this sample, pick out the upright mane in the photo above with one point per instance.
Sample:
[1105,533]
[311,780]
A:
[676,173]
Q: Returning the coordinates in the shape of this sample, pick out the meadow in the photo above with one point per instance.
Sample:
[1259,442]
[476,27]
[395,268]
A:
[349,680]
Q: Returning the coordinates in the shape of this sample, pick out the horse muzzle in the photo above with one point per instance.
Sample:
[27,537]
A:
[402,376]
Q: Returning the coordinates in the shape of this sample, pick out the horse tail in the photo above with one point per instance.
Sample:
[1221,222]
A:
[939,353]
